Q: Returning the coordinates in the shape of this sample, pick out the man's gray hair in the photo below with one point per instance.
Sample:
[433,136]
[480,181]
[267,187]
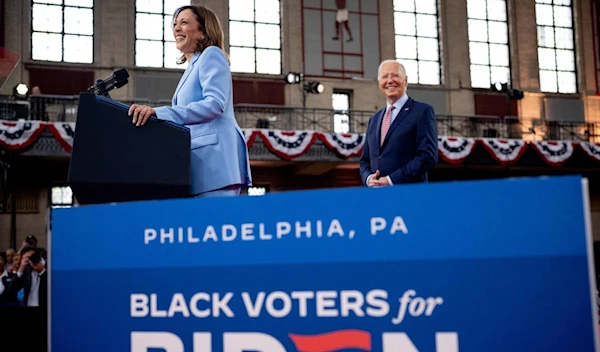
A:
[402,69]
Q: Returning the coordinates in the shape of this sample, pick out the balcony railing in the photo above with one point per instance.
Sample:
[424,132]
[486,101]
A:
[293,118]
[356,121]
[514,127]
[64,108]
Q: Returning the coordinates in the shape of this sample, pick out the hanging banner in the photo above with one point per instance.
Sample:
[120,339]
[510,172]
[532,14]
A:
[555,153]
[64,132]
[505,151]
[455,150]
[501,265]
[344,144]
[592,149]
[288,144]
[19,134]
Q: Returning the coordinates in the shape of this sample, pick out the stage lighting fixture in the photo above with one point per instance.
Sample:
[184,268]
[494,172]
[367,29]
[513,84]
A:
[294,78]
[311,87]
[314,87]
[500,87]
[512,94]
[515,94]
[21,91]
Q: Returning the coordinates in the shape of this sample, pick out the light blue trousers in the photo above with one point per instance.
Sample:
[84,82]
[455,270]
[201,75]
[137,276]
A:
[219,193]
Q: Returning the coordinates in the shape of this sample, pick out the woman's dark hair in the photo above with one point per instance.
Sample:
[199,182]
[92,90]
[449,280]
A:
[209,25]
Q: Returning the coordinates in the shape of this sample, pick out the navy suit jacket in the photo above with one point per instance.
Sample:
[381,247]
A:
[410,148]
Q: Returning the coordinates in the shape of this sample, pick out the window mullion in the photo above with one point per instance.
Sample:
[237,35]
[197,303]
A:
[244,39]
[162,20]
[255,44]
[62,58]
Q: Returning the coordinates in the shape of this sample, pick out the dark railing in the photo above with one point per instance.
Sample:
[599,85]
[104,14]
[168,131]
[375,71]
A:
[514,127]
[292,118]
[64,108]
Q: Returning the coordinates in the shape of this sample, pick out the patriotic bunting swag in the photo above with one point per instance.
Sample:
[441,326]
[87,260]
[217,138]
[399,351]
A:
[64,134]
[504,151]
[288,145]
[554,153]
[592,149]
[454,150]
[250,136]
[345,144]
[19,134]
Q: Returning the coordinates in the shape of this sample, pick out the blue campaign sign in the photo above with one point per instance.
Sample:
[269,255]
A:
[499,265]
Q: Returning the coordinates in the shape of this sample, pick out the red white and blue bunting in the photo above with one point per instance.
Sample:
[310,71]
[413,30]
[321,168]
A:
[20,134]
[554,153]
[592,149]
[250,136]
[64,132]
[505,151]
[289,145]
[345,144]
[455,150]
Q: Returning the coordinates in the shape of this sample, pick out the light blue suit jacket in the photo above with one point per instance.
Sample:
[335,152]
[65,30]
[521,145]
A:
[203,102]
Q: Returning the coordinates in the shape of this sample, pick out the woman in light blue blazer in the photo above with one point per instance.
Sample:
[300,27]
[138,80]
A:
[203,102]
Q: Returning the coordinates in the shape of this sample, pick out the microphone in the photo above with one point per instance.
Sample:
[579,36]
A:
[117,80]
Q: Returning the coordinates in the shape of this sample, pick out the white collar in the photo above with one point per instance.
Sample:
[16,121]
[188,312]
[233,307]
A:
[398,104]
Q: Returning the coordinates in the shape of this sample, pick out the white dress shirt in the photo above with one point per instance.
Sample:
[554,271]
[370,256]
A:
[2,288]
[398,105]
[33,300]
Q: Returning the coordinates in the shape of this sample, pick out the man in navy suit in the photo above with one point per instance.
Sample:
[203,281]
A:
[401,141]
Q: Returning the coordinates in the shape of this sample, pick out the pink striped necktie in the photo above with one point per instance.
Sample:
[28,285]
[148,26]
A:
[385,124]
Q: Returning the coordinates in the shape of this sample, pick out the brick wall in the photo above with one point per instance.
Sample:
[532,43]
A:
[114,48]
[114,43]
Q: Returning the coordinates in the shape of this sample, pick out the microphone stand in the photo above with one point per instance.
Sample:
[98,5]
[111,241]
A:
[99,88]
[116,80]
